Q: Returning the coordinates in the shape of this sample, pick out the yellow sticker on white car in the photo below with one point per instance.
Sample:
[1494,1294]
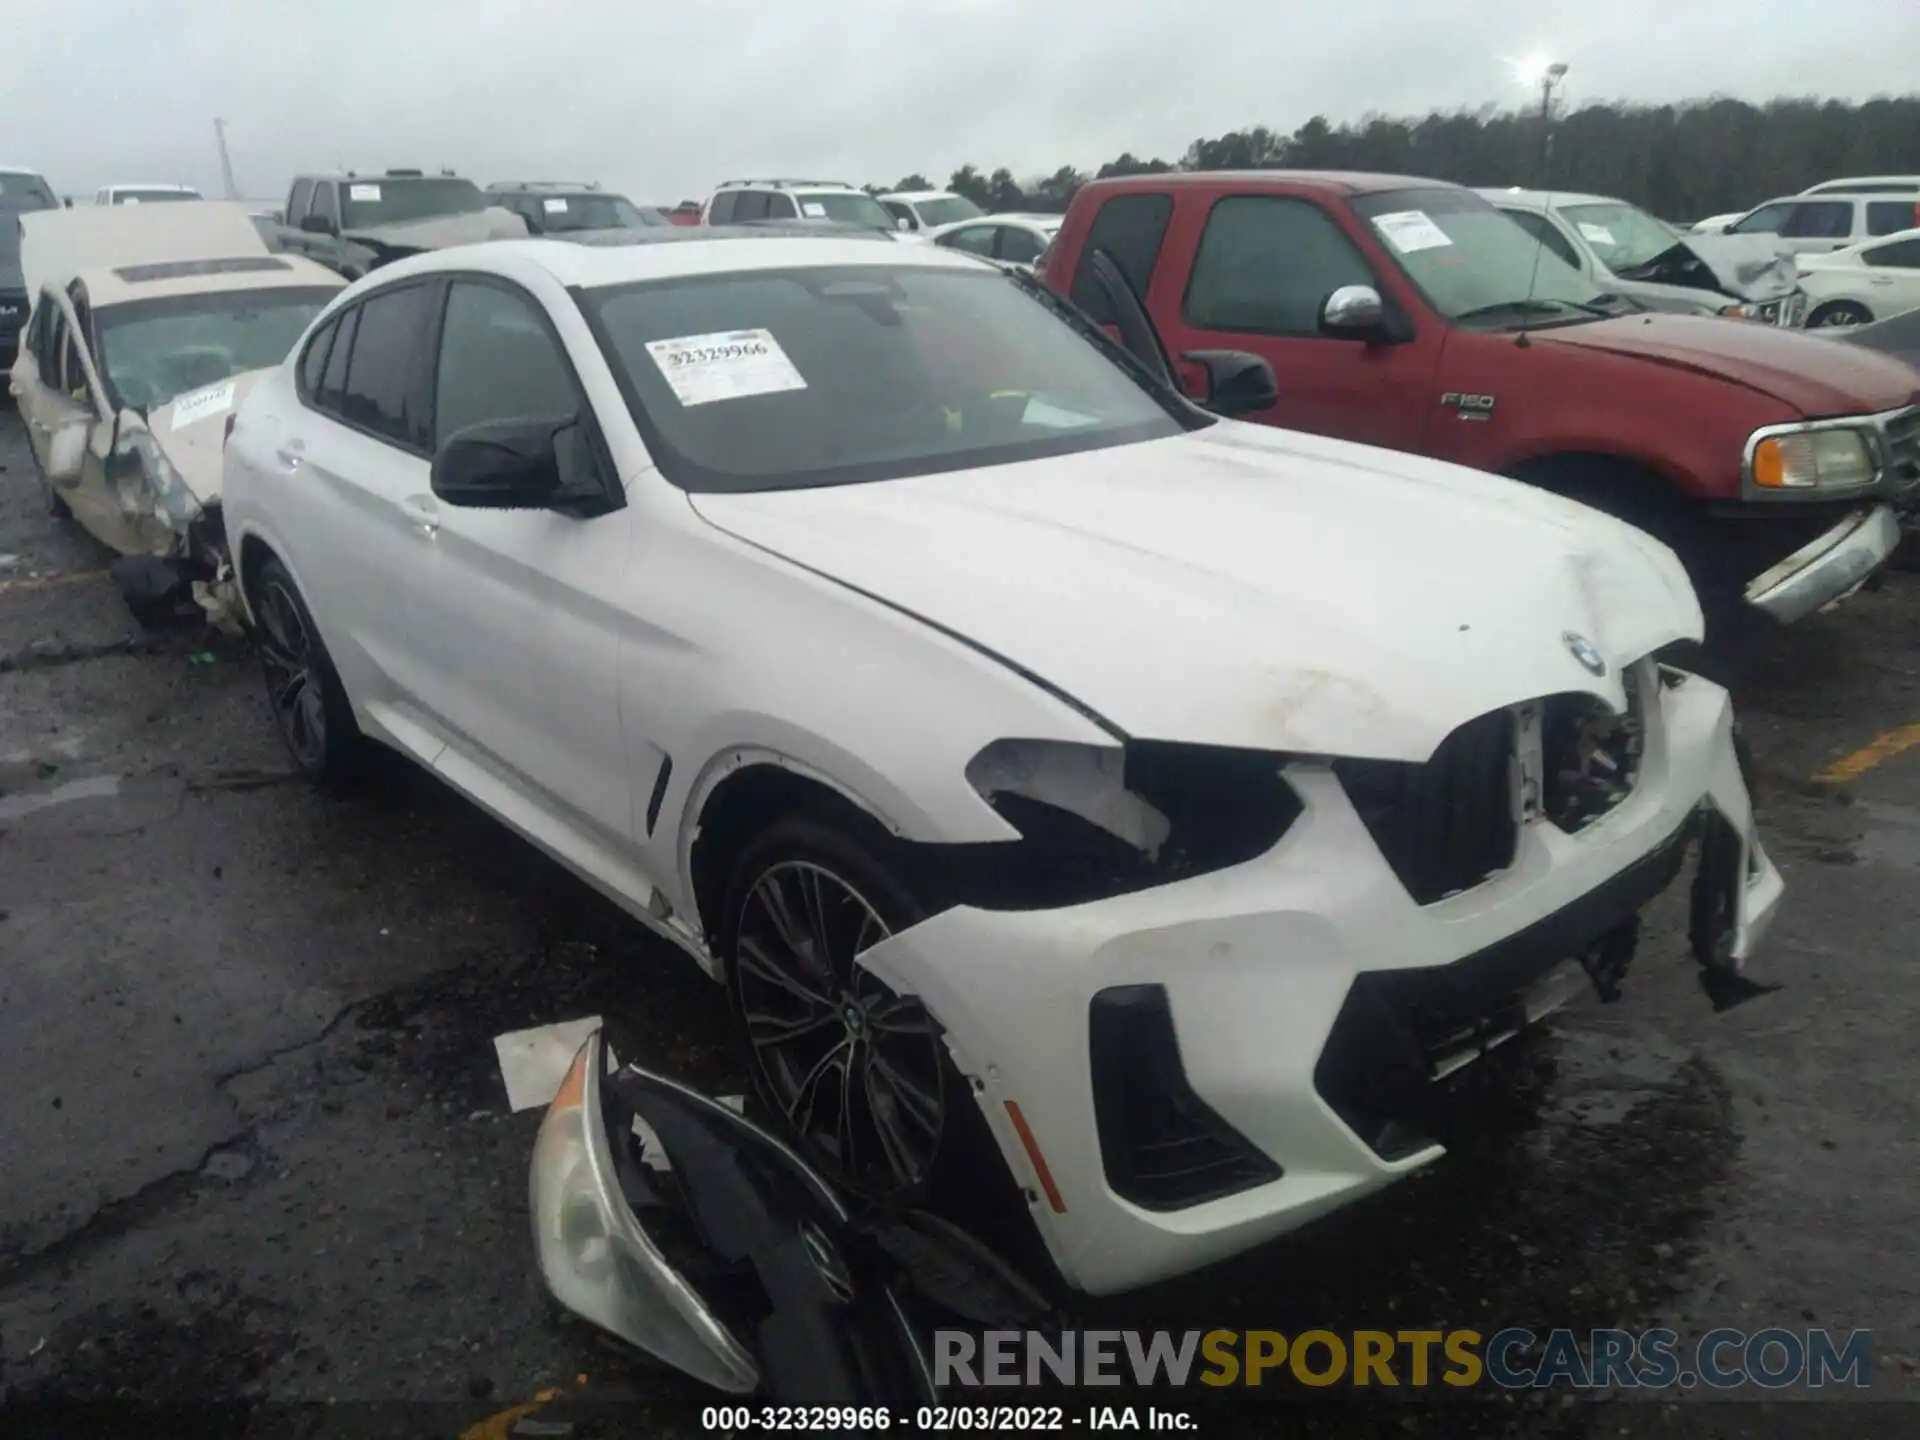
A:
[202,404]
[726,365]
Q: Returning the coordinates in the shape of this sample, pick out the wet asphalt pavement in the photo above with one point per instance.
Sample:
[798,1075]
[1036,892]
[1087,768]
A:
[255,1149]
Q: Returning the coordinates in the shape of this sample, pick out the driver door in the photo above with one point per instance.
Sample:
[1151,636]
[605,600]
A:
[67,420]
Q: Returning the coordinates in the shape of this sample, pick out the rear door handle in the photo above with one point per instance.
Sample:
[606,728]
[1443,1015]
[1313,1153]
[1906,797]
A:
[292,454]
[423,513]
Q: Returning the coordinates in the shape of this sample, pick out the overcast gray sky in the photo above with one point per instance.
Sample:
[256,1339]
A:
[662,100]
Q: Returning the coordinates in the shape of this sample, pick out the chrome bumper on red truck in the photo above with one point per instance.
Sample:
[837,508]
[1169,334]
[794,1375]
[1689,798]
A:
[1829,568]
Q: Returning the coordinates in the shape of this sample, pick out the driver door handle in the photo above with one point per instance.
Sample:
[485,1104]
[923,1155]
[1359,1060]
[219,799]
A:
[423,513]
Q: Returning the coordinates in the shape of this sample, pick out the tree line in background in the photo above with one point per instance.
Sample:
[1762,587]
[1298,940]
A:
[1679,161]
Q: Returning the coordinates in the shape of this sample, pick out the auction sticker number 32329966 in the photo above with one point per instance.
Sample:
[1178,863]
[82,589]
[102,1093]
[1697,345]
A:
[726,365]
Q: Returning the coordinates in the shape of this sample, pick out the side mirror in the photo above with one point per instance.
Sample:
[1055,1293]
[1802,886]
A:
[316,225]
[1354,310]
[1237,383]
[67,453]
[67,201]
[506,464]
[901,222]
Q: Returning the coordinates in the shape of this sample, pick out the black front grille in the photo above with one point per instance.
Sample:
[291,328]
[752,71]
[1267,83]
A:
[1447,825]
[1161,1145]
[1397,1029]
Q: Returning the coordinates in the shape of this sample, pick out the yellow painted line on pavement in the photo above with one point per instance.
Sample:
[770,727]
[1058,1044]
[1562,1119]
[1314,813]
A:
[1876,751]
[48,582]
[500,1427]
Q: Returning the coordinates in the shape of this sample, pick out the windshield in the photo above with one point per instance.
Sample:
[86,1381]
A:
[153,350]
[134,195]
[1473,264]
[1622,236]
[370,203]
[783,379]
[560,213]
[847,207]
[24,192]
[949,210]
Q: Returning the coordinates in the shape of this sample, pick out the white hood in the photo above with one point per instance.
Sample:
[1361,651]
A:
[1243,586]
[191,430]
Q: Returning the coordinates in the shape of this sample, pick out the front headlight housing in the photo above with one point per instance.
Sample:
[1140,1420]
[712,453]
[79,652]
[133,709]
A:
[1812,460]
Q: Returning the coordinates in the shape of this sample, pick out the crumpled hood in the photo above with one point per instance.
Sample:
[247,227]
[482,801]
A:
[1815,376]
[1244,586]
[438,232]
[1748,267]
[191,430]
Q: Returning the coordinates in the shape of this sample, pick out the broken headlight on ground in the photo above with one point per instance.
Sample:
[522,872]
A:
[1101,821]
[596,1259]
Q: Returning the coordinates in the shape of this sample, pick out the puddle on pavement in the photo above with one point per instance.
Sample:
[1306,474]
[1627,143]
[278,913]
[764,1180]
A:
[1892,836]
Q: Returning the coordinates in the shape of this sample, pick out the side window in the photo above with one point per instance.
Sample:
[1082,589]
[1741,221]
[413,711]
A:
[1890,217]
[1820,220]
[1267,264]
[1547,233]
[1767,220]
[900,210]
[53,343]
[1129,228]
[1023,247]
[313,364]
[1900,255]
[382,393]
[326,201]
[298,200]
[73,378]
[498,361]
[721,211]
[975,240]
[35,342]
[750,205]
[333,380]
[780,207]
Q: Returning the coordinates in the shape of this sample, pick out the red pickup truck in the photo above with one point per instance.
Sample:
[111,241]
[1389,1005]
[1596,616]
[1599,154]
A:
[1411,314]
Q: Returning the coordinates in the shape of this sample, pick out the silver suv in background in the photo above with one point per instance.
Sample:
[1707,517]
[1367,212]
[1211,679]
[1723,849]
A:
[1809,224]
[742,202]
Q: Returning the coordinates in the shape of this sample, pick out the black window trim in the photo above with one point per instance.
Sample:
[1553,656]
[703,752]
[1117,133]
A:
[414,381]
[609,477]
[1193,268]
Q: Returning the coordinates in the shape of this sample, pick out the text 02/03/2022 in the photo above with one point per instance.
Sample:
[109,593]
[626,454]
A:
[990,1419]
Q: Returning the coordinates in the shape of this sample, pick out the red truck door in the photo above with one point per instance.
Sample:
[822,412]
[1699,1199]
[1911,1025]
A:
[1251,271]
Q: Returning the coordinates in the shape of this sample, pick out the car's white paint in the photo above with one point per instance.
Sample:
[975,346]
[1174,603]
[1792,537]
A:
[1235,585]
[1851,275]
[1042,228]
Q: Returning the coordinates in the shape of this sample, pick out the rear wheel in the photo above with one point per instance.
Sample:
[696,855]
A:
[310,706]
[1839,312]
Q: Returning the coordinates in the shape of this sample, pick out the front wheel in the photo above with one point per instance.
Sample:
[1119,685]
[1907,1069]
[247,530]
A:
[857,1072]
[1839,312]
[310,706]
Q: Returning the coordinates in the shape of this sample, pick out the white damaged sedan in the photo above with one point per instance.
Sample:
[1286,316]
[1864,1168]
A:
[1043,762]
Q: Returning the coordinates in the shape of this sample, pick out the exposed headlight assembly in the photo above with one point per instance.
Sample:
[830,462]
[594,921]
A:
[597,1260]
[1811,459]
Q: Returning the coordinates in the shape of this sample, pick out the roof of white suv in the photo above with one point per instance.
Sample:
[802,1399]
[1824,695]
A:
[700,253]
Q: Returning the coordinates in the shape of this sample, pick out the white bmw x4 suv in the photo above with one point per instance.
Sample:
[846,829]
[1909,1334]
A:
[1166,801]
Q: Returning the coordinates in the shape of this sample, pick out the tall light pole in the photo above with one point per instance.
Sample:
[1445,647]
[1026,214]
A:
[1549,78]
[226,165]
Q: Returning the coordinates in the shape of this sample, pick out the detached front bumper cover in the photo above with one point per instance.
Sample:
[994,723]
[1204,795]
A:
[1829,568]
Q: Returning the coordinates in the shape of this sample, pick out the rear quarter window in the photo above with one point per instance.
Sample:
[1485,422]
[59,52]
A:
[1890,217]
[1130,228]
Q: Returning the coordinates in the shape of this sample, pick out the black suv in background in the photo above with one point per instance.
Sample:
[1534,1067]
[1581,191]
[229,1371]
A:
[356,222]
[20,191]
[557,207]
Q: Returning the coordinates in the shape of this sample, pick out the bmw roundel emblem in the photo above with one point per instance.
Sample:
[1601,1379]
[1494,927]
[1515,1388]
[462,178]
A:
[1582,649]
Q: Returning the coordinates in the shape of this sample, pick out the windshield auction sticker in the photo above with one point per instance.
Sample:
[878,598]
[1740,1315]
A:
[727,365]
[201,404]
[1410,230]
[367,194]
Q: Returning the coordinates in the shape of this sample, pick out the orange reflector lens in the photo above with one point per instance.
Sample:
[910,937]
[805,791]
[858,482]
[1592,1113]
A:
[1032,1147]
[573,1089]
[1769,465]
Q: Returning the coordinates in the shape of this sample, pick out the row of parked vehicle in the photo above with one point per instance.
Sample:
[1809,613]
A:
[1121,728]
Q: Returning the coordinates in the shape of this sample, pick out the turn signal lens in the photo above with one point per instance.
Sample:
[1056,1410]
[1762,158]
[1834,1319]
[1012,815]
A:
[1815,460]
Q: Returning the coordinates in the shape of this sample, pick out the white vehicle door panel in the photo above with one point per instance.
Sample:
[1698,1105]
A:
[516,619]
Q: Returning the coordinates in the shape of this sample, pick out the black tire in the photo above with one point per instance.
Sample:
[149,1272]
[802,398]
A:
[858,1075]
[1839,312]
[310,706]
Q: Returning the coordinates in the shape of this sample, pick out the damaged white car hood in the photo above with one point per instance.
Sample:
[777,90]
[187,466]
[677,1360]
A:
[1751,267]
[1244,586]
[441,231]
[191,430]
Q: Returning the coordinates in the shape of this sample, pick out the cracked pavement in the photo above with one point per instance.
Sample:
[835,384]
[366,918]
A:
[256,1149]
